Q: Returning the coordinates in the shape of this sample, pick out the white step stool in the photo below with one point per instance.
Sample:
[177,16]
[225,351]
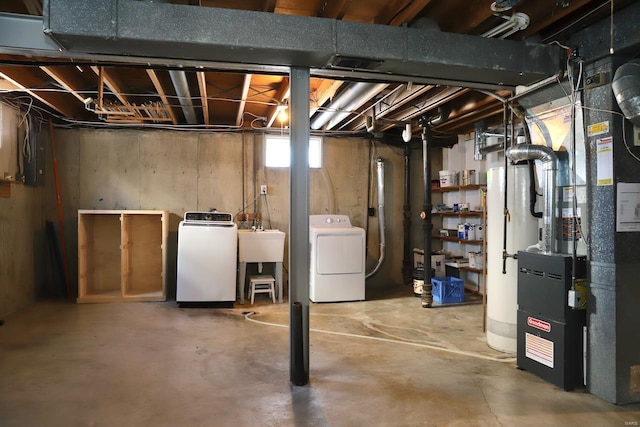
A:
[262,284]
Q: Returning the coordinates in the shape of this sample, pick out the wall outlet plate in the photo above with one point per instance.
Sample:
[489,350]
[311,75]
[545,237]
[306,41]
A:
[263,189]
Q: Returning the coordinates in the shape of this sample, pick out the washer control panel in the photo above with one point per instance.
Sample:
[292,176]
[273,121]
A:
[208,216]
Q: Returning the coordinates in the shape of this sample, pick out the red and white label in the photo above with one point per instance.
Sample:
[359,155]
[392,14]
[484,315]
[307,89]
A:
[538,324]
[539,349]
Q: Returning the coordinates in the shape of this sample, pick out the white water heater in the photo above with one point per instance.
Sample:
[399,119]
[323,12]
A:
[522,232]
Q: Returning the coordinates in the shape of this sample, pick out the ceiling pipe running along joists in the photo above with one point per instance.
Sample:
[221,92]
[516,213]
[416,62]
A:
[516,22]
[180,83]
[345,103]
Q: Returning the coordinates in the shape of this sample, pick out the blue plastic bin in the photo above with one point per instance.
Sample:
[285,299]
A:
[447,290]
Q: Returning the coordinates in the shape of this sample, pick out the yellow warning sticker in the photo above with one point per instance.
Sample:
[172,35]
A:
[598,128]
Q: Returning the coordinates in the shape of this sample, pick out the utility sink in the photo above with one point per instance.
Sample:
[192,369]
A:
[260,245]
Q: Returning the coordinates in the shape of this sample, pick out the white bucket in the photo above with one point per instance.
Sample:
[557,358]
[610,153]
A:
[447,178]
[417,287]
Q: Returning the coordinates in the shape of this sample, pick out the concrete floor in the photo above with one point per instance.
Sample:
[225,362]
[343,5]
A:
[154,364]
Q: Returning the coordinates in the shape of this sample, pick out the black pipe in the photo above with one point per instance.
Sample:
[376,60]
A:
[406,218]
[298,375]
[533,194]
[427,224]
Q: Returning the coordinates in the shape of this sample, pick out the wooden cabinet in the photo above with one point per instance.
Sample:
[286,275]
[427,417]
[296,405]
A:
[122,255]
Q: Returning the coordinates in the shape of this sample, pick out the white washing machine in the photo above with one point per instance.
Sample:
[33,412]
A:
[337,266]
[207,258]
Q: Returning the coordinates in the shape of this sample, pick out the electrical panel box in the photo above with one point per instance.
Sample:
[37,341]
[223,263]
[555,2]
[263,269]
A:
[34,159]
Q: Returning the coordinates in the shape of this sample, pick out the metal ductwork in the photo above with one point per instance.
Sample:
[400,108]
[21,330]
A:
[116,27]
[380,167]
[550,162]
[626,88]
[351,99]
[180,83]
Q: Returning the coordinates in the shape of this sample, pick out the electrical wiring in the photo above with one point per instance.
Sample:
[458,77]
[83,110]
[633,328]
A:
[575,103]
[556,42]
[251,203]
[266,203]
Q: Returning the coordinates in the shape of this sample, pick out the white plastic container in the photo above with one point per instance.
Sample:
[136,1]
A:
[448,178]
[471,231]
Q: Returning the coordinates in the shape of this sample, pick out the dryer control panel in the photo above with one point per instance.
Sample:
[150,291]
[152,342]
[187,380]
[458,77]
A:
[329,221]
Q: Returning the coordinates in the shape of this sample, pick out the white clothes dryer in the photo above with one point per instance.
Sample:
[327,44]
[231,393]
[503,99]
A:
[337,265]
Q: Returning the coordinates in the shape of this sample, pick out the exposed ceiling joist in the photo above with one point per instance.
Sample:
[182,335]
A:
[402,98]
[108,81]
[461,121]
[325,92]
[246,84]
[163,96]
[409,12]
[57,76]
[44,98]
[269,5]
[34,7]
[333,9]
[204,98]
[281,95]
[432,102]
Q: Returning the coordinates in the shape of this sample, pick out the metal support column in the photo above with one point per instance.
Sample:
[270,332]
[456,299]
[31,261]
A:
[299,227]
[407,261]
[425,215]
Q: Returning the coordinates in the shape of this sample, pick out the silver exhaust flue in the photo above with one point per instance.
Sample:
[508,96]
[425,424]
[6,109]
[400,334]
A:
[520,152]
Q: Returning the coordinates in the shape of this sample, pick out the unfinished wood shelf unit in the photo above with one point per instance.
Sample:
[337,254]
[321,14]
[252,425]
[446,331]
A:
[122,255]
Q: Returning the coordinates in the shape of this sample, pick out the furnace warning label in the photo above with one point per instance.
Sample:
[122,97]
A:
[539,349]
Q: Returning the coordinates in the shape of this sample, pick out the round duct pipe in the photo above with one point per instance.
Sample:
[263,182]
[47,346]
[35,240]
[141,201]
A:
[626,88]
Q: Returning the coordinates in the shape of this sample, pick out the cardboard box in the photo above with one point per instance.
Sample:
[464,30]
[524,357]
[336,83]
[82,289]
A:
[437,261]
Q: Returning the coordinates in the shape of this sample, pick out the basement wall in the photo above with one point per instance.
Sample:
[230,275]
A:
[24,259]
[180,171]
